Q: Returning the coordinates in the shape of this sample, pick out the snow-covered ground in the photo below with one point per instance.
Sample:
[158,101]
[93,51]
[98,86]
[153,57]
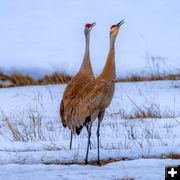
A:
[41,37]
[141,169]
[31,133]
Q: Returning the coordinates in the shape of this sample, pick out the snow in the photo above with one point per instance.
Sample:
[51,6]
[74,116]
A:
[140,169]
[48,141]
[41,37]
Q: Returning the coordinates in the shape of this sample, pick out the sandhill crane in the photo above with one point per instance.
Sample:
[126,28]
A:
[92,100]
[84,75]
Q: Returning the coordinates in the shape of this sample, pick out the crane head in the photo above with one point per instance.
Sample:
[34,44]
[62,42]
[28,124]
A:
[88,27]
[115,28]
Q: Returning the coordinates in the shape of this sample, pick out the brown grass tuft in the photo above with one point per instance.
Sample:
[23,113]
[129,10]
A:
[17,79]
[174,156]
[15,133]
[152,77]
[56,78]
[21,80]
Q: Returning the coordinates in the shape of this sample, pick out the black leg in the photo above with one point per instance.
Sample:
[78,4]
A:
[89,136]
[100,118]
[87,127]
[98,134]
[70,147]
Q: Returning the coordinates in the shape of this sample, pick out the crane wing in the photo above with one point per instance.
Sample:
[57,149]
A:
[67,89]
[89,100]
[72,89]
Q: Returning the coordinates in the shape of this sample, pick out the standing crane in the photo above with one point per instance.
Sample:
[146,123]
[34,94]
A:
[92,100]
[83,76]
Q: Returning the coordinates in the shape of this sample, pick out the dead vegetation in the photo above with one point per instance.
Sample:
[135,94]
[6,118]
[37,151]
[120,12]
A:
[17,79]
[110,160]
[150,109]
[152,77]
[91,162]
[21,80]
[25,131]
[174,156]
[56,78]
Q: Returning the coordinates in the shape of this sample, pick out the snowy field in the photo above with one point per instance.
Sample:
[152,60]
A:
[44,36]
[31,133]
[142,169]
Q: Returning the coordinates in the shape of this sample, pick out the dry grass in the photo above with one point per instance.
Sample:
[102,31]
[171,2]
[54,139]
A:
[92,162]
[25,131]
[16,80]
[152,77]
[56,78]
[15,133]
[23,80]
[147,110]
[110,160]
[60,78]
[174,156]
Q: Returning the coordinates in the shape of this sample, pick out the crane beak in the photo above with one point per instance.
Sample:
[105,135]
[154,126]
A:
[120,23]
[93,24]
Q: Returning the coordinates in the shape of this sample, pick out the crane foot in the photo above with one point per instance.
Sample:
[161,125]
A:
[86,162]
[98,162]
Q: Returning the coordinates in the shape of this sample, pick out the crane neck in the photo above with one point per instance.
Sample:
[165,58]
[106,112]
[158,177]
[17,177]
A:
[109,71]
[86,64]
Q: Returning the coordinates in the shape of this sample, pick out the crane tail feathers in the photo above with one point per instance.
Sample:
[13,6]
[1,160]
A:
[79,129]
[62,113]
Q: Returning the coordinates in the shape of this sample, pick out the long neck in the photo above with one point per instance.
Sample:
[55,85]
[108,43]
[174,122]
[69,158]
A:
[109,71]
[86,64]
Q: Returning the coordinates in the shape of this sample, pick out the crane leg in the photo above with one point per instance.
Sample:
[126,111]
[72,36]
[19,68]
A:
[89,136]
[87,127]
[100,118]
[70,146]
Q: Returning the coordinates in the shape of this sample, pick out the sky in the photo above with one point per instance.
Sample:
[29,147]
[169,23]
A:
[45,36]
